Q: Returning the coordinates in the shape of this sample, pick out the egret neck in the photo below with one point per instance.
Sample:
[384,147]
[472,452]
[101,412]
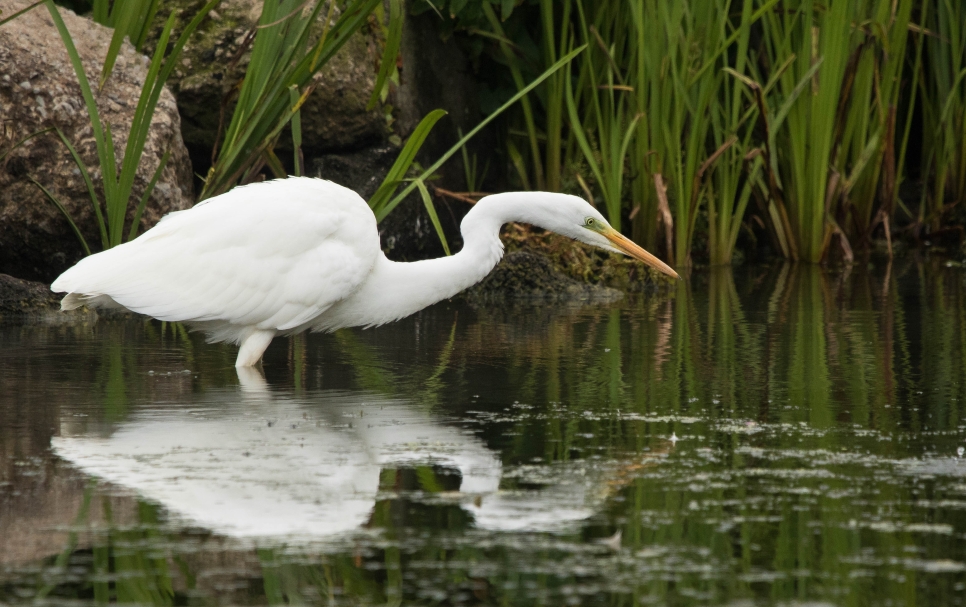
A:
[395,289]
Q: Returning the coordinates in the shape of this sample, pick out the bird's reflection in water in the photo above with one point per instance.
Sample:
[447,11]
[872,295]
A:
[259,464]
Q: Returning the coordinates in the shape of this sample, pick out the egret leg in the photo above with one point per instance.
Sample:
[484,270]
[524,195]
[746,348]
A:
[251,381]
[253,346]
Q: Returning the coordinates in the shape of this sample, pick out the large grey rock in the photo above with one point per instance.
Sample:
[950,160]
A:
[334,117]
[38,89]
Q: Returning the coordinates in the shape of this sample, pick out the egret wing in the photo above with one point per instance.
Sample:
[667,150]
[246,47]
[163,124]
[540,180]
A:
[273,255]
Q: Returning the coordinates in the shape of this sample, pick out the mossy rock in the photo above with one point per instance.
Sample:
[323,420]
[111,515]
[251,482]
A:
[524,276]
[586,264]
[334,116]
[20,297]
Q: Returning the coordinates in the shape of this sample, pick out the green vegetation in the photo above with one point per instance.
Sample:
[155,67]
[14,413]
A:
[386,197]
[690,123]
[276,84]
[283,60]
[289,46]
[698,121]
[132,19]
[943,89]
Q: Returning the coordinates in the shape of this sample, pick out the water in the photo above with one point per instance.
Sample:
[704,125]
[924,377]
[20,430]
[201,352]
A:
[776,436]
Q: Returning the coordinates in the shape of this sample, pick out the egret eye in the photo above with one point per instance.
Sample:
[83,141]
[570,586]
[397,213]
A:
[590,222]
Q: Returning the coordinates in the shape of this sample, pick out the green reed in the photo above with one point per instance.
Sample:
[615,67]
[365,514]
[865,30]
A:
[817,43]
[681,110]
[639,108]
[867,164]
[943,90]
[600,91]
[732,128]
[131,20]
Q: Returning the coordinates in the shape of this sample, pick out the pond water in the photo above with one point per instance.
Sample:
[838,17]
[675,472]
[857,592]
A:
[776,435]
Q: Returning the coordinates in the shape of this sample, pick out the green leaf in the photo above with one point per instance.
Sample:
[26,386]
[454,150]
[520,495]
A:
[790,101]
[506,8]
[123,19]
[138,37]
[21,11]
[428,203]
[577,129]
[516,158]
[102,12]
[389,54]
[293,96]
[403,161]
[85,86]
[158,74]
[953,93]
[64,212]
[758,14]
[456,7]
[95,203]
[274,164]
[25,140]
[147,195]
[281,57]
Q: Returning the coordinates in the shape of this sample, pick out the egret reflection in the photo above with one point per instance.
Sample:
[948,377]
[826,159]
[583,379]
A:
[251,463]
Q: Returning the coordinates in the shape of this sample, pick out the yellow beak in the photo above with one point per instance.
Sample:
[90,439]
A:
[626,246]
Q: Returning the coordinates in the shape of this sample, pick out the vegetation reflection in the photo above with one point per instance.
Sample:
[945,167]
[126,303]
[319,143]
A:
[771,434]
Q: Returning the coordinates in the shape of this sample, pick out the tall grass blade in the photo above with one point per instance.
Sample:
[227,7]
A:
[22,141]
[944,109]
[63,211]
[390,52]
[85,87]
[293,95]
[118,185]
[519,164]
[85,174]
[404,161]
[21,11]
[513,62]
[281,58]
[147,195]
[431,210]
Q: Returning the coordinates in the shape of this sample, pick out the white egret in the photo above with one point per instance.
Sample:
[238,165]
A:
[296,254]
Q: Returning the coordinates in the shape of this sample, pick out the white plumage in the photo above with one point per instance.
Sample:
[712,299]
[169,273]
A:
[288,255]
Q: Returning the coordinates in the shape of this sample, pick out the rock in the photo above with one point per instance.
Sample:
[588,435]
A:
[361,171]
[436,74]
[19,297]
[523,276]
[333,118]
[407,233]
[38,89]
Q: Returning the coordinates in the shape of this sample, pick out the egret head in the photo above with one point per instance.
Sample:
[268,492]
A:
[564,214]
[576,218]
